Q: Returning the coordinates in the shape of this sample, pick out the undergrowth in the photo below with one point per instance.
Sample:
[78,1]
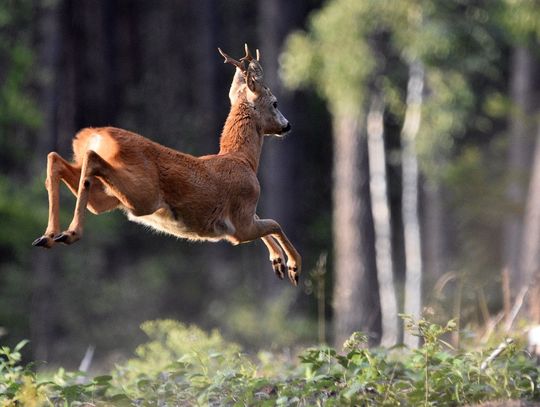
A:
[184,366]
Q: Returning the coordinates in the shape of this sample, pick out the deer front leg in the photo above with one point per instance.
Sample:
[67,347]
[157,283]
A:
[269,229]
[276,256]
[294,261]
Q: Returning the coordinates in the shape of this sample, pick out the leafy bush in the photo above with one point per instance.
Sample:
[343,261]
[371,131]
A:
[184,366]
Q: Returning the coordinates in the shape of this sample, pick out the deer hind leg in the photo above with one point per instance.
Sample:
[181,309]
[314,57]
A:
[270,229]
[58,169]
[52,184]
[86,184]
[126,190]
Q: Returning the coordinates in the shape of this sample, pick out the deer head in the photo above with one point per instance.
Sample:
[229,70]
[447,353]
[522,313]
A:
[248,87]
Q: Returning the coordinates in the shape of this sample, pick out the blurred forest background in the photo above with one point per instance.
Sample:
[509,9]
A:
[411,179]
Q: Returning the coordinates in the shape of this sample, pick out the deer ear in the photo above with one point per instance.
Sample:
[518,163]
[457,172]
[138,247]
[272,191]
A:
[253,83]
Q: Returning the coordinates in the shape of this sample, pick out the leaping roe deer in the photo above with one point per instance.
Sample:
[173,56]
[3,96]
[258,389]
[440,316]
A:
[212,198]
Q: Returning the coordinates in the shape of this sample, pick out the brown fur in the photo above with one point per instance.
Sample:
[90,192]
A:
[213,197]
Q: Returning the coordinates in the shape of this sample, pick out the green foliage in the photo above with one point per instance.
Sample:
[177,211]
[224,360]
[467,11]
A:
[520,18]
[183,365]
[19,120]
[21,386]
[173,341]
[17,221]
[463,49]
[341,54]
[17,58]
[19,114]
[479,220]
[333,55]
[15,105]
[270,322]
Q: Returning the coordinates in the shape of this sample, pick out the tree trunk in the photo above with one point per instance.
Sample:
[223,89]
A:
[356,302]
[530,260]
[277,160]
[206,95]
[49,57]
[381,220]
[435,226]
[44,263]
[519,159]
[411,224]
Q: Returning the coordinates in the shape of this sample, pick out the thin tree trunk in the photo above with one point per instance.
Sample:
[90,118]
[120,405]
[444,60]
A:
[531,240]
[381,220]
[435,233]
[519,159]
[411,224]
[356,303]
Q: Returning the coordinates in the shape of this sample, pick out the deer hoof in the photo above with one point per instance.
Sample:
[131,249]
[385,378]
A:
[43,241]
[293,275]
[66,237]
[279,268]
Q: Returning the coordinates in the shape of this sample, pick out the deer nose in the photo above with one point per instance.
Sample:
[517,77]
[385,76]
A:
[286,128]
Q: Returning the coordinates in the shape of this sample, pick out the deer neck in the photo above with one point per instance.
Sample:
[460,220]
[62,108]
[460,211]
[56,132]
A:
[241,135]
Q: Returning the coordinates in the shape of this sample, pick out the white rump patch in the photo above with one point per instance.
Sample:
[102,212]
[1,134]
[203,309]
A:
[95,142]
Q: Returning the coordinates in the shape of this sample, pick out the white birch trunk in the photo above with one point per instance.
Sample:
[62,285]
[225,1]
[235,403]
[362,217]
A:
[381,220]
[411,224]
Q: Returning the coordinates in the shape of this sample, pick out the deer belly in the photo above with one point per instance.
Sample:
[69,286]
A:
[163,220]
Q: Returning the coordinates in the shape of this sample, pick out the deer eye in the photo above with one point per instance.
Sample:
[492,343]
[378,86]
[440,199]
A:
[275,105]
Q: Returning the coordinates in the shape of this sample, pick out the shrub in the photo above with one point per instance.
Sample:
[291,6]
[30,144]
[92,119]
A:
[184,366]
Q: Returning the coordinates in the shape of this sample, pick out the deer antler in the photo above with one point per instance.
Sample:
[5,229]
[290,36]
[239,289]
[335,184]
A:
[230,60]
[254,68]
[252,72]
[248,56]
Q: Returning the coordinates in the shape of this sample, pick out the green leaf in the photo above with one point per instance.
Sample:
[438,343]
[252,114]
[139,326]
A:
[105,379]
[21,345]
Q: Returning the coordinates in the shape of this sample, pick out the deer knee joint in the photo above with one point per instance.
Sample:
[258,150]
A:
[48,183]
[92,157]
[52,159]
[275,228]
[94,162]
[52,170]
[52,156]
